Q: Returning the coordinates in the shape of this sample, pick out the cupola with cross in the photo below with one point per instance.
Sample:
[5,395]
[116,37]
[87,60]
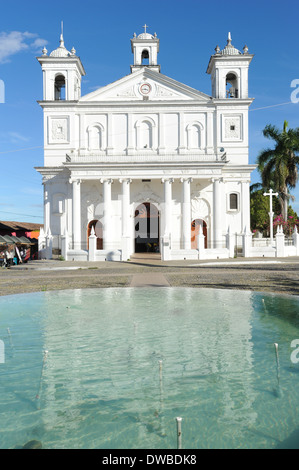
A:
[62,73]
[145,48]
[229,71]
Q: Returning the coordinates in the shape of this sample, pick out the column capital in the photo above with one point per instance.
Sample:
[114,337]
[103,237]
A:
[188,180]
[125,180]
[169,180]
[217,180]
[106,180]
[75,180]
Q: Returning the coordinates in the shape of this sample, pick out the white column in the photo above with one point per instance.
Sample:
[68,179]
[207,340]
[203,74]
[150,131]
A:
[107,215]
[125,207]
[217,206]
[167,205]
[76,214]
[186,221]
[125,219]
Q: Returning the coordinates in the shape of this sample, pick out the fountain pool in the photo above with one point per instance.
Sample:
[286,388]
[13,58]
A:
[122,364]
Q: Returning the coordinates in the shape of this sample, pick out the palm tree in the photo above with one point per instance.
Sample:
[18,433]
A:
[279,166]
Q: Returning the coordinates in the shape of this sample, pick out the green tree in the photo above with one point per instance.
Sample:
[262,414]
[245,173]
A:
[279,166]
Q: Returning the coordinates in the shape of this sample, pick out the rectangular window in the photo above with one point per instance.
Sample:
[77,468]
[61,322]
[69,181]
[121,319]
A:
[233,202]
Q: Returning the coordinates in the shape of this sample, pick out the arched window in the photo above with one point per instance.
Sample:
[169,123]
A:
[194,136]
[146,138]
[60,87]
[145,134]
[95,137]
[232,86]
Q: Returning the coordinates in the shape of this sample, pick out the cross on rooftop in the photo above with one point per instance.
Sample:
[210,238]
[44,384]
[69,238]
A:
[145,26]
[271,193]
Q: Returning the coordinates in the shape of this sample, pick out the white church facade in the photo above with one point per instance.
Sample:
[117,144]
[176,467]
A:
[145,164]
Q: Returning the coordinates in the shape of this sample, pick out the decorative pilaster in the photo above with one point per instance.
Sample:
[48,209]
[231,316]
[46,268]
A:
[210,133]
[182,143]
[161,134]
[131,135]
[109,134]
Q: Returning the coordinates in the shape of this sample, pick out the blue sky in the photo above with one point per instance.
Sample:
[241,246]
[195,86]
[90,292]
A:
[100,31]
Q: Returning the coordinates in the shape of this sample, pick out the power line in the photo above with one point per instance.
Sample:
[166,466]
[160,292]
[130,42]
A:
[272,106]
[21,150]
[24,215]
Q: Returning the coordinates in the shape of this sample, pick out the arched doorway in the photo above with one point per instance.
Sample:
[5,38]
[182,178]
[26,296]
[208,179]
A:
[195,231]
[98,228]
[147,228]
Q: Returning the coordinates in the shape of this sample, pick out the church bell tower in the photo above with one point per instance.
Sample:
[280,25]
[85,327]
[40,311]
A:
[145,48]
[62,73]
[229,72]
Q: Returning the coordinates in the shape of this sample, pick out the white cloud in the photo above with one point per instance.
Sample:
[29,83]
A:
[17,41]
[16,137]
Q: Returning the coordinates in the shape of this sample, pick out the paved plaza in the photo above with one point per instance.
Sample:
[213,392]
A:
[264,275]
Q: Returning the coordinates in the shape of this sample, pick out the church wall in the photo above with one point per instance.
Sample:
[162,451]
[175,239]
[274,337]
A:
[171,131]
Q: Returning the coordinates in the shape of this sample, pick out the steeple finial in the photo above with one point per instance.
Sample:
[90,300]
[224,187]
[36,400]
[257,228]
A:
[61,36]
[229,39]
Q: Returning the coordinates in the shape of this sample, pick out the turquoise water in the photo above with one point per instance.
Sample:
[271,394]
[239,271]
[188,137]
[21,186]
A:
[100,385]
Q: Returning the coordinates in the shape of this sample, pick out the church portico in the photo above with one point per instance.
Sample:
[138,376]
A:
[173,207]
[145,163]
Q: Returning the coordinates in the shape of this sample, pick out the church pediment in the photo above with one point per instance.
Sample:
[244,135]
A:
[145,85]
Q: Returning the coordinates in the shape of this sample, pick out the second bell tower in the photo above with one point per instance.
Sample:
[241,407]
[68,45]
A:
[145,48]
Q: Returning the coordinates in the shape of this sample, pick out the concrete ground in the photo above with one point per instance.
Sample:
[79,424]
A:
[265,275]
